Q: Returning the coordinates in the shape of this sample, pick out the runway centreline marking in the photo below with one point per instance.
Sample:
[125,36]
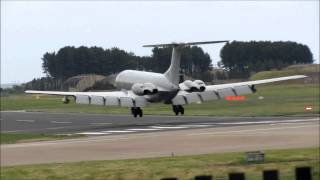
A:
[115,138]
[60,122]
[93,133]
[150,129]
[55,128]
[115,131]
[26,120]
[197,125]
[267,122]
[168,127]
[249,130]
[100,123]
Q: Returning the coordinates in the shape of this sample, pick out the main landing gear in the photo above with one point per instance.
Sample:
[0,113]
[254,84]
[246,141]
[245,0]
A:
[178,109]
[136,111]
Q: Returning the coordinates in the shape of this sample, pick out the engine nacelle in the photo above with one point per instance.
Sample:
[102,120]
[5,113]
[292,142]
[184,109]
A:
[193,86]
[201,84]
[144,89]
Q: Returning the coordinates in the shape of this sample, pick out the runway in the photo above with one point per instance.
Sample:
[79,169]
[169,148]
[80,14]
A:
[99,124]
[154,136]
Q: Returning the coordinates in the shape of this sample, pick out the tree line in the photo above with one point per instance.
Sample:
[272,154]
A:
[71,61]
[238,60]
[241,59]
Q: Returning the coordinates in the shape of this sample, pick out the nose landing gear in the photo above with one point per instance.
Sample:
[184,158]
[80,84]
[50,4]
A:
[136,111]
[178,109]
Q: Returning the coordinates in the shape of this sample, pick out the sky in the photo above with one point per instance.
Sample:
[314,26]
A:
[30,29]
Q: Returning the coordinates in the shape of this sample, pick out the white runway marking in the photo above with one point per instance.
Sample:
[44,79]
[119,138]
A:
[250,130]
[55,128]
[143,129]
[267,122]
[25,120]
[93,133]
[60,122]
[116,131]
[168,127]
[197,125]
[97,124]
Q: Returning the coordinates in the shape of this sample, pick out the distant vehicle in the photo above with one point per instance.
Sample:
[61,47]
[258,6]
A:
[140,88]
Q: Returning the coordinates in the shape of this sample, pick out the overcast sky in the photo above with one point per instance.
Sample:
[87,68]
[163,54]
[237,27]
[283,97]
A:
[29,29]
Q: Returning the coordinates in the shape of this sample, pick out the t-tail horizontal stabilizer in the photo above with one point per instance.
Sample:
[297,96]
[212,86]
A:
[184,44]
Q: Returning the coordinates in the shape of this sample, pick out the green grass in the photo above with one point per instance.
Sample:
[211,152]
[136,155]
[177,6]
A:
[287,99]
[10,138]
[183,167]
[308,70]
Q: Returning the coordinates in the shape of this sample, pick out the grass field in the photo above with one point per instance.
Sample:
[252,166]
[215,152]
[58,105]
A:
[288,99]
[183,167]
[10,138]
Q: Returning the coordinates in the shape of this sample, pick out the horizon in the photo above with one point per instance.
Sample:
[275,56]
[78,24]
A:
[34,28]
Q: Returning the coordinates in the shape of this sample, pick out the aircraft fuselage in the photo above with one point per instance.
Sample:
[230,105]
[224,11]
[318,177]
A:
[166,89]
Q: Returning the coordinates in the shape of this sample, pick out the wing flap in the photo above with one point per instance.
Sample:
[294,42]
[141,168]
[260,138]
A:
[82,99]
[114,98]
[140,101]
[225,92]
[179,100]
[209,96]
[112,101]
[242,90]
[97,100]
[193,98]
[126,102]
[214,92]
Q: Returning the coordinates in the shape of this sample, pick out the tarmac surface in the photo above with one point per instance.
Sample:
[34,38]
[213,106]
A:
[101,124]
[123,137]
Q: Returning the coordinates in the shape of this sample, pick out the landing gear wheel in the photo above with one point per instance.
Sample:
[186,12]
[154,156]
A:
[139,111]
[181,109]
[135,111]
[178,109]
[175,109]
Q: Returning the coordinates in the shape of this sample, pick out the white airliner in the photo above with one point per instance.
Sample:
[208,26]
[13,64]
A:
[140,88]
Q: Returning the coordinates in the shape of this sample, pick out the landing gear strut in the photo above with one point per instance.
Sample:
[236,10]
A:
[178,109]
[136,111]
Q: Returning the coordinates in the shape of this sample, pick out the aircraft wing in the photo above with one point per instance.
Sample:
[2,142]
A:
[215,92]
[113,98]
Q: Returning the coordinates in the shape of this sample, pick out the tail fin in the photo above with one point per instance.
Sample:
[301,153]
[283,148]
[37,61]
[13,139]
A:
[173,72]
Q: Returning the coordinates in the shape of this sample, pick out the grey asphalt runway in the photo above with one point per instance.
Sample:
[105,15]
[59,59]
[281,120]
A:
[237,138]
[98,124]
